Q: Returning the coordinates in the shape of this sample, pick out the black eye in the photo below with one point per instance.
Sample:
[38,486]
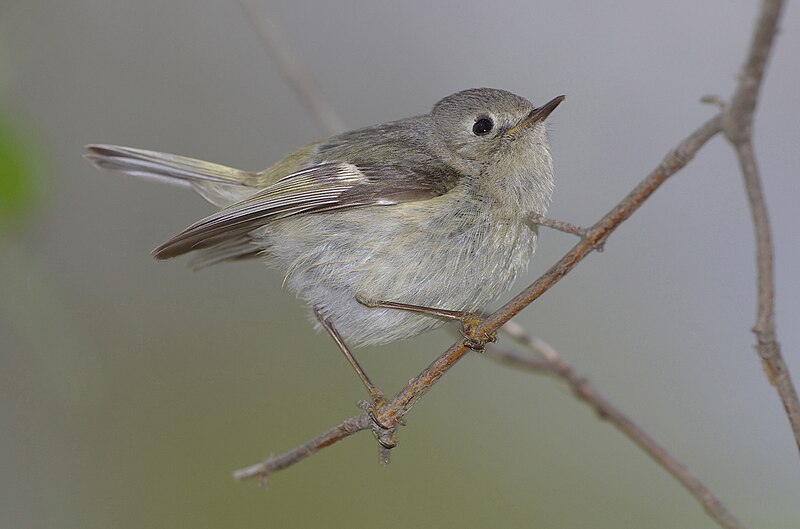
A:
[482,126]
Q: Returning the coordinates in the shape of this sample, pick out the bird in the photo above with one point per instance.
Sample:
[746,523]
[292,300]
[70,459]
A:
[385,231]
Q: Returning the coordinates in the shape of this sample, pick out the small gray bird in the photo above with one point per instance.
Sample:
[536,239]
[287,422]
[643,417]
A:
[375,225]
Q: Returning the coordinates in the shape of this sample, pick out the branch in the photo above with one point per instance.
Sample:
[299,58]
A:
[738,119]
[295,72]
[737,122]
[392,413]
[536,219]
[552,363]
[287,459]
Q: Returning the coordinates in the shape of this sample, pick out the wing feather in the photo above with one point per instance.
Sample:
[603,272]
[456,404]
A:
[319,188]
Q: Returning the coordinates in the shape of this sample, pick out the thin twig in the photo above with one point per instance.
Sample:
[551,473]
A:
[737,122]
[297,454]
[537,219]
[552,363]
[513,358]
[299,77]
[392,413]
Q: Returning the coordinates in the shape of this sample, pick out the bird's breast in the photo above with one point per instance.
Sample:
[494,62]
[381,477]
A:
[449,252]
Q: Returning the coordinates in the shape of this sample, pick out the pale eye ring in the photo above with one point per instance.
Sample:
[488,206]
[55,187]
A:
[482,126]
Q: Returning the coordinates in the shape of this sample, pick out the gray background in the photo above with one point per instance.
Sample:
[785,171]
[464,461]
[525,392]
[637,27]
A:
[130,388]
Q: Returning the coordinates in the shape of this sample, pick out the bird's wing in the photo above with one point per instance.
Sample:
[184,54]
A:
[319,188]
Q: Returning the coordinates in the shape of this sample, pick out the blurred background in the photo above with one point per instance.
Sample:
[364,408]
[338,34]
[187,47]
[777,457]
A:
[130,389]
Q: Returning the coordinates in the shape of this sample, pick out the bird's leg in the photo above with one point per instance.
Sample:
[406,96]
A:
[469,320]
[377,396]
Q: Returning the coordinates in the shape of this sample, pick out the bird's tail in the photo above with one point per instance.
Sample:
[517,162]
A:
[218,184]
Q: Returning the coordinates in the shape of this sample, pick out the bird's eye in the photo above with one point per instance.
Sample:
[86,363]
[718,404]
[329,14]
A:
[482,126]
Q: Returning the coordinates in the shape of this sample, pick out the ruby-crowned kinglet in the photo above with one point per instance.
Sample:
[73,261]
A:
[431,210]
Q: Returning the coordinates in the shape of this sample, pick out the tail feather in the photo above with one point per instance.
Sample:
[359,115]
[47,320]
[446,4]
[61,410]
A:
[218,184]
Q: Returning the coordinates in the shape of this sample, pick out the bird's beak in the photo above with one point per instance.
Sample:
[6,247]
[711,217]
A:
[536,115]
